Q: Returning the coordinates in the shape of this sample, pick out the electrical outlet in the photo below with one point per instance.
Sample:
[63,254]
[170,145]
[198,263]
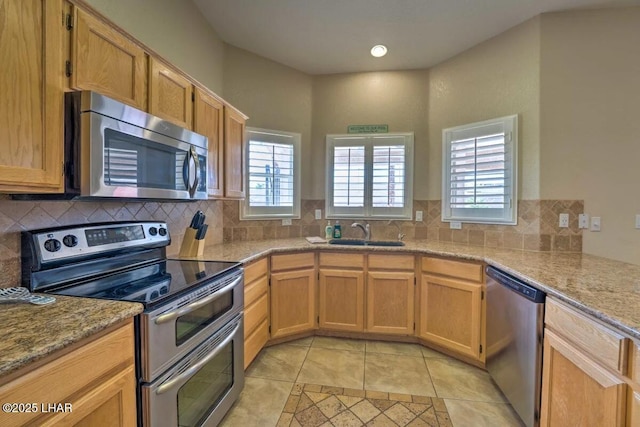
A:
[455,225]
[564,220]
[318,213]
[419,216]
[583,220]
[286,221]
[595,223]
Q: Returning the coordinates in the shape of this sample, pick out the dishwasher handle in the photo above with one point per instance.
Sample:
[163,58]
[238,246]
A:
[516,285]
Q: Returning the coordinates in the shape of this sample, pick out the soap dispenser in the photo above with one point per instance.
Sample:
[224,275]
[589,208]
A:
[328,231]
[337,230]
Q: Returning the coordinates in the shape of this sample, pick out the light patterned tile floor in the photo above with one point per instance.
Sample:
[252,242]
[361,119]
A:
[276,380]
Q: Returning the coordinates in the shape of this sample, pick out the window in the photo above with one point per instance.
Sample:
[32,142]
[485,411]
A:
[273,178]
[370,176]
[479,172]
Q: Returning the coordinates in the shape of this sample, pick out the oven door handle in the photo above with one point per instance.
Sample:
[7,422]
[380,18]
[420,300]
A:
[166,386]
[164,318]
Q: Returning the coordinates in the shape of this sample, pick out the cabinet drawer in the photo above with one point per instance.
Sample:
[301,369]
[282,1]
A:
[449,267]
[71,372]
[255,270]
[255,314]
[391,262]
[254,290]
[290,261]
[609,347]
[254,343]
[338,259]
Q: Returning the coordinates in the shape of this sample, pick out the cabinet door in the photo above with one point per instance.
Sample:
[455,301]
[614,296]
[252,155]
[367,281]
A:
[634,408]
[106,61]
[31,92]
[170,94]
[451,314]
[341,300]
[390,302]
[576,391]
[208,120]
[234,158]
[293,302]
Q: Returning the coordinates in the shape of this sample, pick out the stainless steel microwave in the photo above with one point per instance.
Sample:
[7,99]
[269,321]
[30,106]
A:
[113,150]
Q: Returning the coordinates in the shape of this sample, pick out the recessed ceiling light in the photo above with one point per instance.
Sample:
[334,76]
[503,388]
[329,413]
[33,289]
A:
[379,50]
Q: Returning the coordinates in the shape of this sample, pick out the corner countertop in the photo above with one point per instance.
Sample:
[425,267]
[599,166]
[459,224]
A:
[605,289]
[31,332]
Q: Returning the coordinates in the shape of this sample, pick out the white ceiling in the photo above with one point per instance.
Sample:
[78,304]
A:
[335,36]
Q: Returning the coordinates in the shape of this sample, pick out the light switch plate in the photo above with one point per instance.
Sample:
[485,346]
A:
[419,216]
[286,221]
[318,213]
[583,220]
[455,225]
[595,223]
[638,221]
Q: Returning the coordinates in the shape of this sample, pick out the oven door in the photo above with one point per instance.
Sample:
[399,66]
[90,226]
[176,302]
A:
[133,162]
[171,331]
[200,389]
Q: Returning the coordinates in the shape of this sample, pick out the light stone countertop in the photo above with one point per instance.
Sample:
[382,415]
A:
[605,289]
[31,332]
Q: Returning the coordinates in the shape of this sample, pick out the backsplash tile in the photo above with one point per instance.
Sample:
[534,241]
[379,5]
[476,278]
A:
[18,215]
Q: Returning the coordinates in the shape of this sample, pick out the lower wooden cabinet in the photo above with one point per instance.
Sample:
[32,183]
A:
[577,391]
[634,408]
[256,308]
[293,302]
[97,380]
[341,300]
[451,314]
[390,302]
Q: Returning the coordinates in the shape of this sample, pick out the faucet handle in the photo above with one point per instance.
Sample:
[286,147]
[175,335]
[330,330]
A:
[400,236]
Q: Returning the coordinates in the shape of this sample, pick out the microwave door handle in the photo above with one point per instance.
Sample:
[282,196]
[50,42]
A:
[164,318]
[166,386]
[185,171]
[196,178]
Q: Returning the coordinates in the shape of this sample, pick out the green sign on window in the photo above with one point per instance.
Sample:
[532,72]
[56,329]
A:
[368,128]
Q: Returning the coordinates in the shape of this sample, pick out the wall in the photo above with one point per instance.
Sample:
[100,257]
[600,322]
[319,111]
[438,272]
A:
[396,98]
[496,78]
[176,30]
[274,96]
[590,104]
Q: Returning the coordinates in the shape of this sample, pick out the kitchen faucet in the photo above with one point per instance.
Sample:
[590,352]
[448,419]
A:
[366,229]
[400,234]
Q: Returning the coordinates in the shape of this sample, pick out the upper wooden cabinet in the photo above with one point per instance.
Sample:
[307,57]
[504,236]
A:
[31,95]
[208,120]
[106,61]
[170,94]
[452,306]
[234,157]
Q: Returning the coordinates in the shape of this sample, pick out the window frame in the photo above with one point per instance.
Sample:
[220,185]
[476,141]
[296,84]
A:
[508,125]
[368,212]
[273,136]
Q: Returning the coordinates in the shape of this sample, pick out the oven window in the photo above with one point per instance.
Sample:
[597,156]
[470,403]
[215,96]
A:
[202,393]
[195,321]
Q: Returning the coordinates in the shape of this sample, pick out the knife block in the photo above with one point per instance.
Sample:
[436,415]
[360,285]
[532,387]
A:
[191,248]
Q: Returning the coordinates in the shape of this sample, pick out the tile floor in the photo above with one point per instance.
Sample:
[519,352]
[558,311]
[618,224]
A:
[470,396]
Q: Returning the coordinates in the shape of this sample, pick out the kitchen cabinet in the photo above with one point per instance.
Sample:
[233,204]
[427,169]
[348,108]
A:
[105,60]
[341,292]
[234,153]
[390,294]
[256,309]
[452,306]
[587,374]
[97,379]
[31,84]
[208,120]
[170,94]
[293,294]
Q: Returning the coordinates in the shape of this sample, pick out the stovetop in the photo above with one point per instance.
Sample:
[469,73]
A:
[149,284]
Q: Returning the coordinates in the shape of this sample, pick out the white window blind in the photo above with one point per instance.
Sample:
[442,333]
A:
[273,174]
[479,172]
[370,176]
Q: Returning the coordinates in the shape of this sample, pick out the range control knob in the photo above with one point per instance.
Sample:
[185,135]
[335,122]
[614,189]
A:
[70,240]
[52,245]
[153,231]
[162,231]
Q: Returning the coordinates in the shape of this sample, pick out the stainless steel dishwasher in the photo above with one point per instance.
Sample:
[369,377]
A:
[515,314]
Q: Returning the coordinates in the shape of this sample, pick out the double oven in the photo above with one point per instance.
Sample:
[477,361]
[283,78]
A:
[189,339]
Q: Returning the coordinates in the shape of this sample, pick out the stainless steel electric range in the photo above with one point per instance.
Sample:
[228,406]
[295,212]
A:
[189,349]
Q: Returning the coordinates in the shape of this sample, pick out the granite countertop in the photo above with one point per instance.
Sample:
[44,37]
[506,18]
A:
[31,332]
[605,289]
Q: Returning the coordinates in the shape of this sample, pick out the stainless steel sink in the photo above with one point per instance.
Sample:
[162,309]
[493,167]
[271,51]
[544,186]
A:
[361,242]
